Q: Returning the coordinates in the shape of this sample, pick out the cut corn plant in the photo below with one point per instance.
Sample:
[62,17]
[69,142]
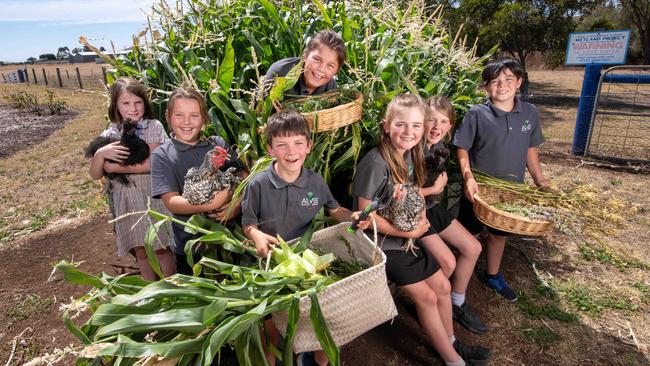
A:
[188,319]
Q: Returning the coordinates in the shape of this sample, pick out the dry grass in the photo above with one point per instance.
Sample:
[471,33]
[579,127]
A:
[48,184]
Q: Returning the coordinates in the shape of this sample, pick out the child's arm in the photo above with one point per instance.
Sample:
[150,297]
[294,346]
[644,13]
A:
[437,187]
[262,240]
[112,151]
[144,167]
[342,214]
[534,167]
[471,186]
[386,227]
[176,204]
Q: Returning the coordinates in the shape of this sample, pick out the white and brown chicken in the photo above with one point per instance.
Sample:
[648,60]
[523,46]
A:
[202,183]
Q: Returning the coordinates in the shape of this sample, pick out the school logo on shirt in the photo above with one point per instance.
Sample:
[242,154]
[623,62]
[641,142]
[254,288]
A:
[309,200]
[526,127]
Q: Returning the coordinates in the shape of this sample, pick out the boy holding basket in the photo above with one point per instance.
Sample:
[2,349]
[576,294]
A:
[499,138]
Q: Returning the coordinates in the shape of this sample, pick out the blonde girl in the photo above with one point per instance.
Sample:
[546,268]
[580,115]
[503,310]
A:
[399,160]
[187,118]
[445,229]
[129,101]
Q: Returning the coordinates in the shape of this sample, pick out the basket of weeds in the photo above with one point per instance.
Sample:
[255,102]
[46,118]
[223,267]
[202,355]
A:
[486,210]
[351,306]
[328,111]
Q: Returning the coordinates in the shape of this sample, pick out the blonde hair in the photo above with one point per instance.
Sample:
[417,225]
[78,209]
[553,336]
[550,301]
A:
[186,93]
[396,163]
[443,105]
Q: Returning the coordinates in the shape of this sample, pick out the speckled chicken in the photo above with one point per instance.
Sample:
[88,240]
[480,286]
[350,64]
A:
[405,208]
[202,183]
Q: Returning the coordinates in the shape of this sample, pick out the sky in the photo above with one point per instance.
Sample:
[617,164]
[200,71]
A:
[30,28]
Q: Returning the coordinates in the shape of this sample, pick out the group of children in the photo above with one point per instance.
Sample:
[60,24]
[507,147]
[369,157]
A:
[499,138]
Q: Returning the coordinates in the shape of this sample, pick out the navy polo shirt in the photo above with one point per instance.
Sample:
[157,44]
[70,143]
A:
[169,164]
[282,67]
[281,208]
[498,141]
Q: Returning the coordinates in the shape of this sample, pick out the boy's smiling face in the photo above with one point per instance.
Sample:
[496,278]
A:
[321,64]
[503,88]
[290,153]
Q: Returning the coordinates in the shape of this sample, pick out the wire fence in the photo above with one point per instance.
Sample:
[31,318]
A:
[89,76]
[620,128]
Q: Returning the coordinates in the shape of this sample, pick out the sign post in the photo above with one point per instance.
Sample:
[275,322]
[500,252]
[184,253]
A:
[593,49]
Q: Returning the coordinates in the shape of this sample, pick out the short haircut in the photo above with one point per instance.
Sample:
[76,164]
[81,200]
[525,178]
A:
[287,122]
[186,93]
[330,39]
[134,87]
[494,68]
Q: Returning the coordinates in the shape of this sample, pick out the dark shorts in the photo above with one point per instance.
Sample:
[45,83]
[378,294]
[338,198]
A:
[467,217]
[439,219]
[404,268]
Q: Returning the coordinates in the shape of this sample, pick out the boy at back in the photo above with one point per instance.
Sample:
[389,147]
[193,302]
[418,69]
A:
[499,138]
[284,198]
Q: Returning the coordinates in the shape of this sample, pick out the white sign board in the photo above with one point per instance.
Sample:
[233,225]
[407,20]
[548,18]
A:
[608,47]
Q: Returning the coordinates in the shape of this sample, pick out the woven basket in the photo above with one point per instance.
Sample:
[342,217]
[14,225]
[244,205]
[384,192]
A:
[502,220]
[335,117]
[351,306]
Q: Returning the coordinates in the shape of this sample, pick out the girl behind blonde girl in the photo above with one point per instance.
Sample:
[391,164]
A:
[129,101]
[399,160]
[445,229]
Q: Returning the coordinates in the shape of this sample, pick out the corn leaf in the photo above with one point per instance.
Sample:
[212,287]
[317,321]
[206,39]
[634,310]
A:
[322,332]
[149,238]
[292,326]
[72,327]
[227,69]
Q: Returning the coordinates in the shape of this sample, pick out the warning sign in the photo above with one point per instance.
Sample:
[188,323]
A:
[598,48]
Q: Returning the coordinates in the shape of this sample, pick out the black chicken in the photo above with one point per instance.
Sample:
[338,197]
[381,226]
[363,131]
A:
[138,149]
[435,164]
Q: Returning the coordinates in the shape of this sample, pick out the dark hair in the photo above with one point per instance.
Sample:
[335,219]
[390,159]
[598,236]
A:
[134,87]
[442,104]
[398,169]
[494,68]
[186,93]
[286,123]
[329,39]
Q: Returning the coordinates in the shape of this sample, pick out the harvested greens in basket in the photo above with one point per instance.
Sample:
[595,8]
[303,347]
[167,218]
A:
[319,102]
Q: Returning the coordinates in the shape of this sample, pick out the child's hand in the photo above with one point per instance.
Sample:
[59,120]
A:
[220,213]
[114,151]
[262,242]
[361,224]
[471,187]
[423,226]
[441,182]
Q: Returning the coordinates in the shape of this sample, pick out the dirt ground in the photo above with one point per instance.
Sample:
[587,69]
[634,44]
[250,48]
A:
[594,311]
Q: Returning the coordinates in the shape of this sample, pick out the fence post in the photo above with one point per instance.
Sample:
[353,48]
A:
[67,74]
[79,78]
[44,76]
[34,74]
[585,108]
[58,74]
[104,76]
[26,75]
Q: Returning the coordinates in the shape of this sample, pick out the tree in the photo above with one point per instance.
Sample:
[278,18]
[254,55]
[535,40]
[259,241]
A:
[520,27]
[47,56]
[639,12]
[31,60]
[62,53]
[77,50]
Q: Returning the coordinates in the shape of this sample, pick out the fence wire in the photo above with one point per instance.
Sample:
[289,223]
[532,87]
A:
[620,127]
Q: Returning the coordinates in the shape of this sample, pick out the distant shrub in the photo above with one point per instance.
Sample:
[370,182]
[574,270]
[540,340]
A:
[47,56]
[28,102]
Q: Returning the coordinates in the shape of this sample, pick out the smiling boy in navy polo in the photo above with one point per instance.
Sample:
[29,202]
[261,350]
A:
[284,198]
[499,138]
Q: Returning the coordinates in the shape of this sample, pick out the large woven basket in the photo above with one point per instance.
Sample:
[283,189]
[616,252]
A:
[351,306]
[502,220]
[335,117]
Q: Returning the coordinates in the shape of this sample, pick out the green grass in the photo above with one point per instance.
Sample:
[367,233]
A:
[644,289]
[616,181]
[538,308]
[541,335]
[598,252]
[591,302]
[29,306]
